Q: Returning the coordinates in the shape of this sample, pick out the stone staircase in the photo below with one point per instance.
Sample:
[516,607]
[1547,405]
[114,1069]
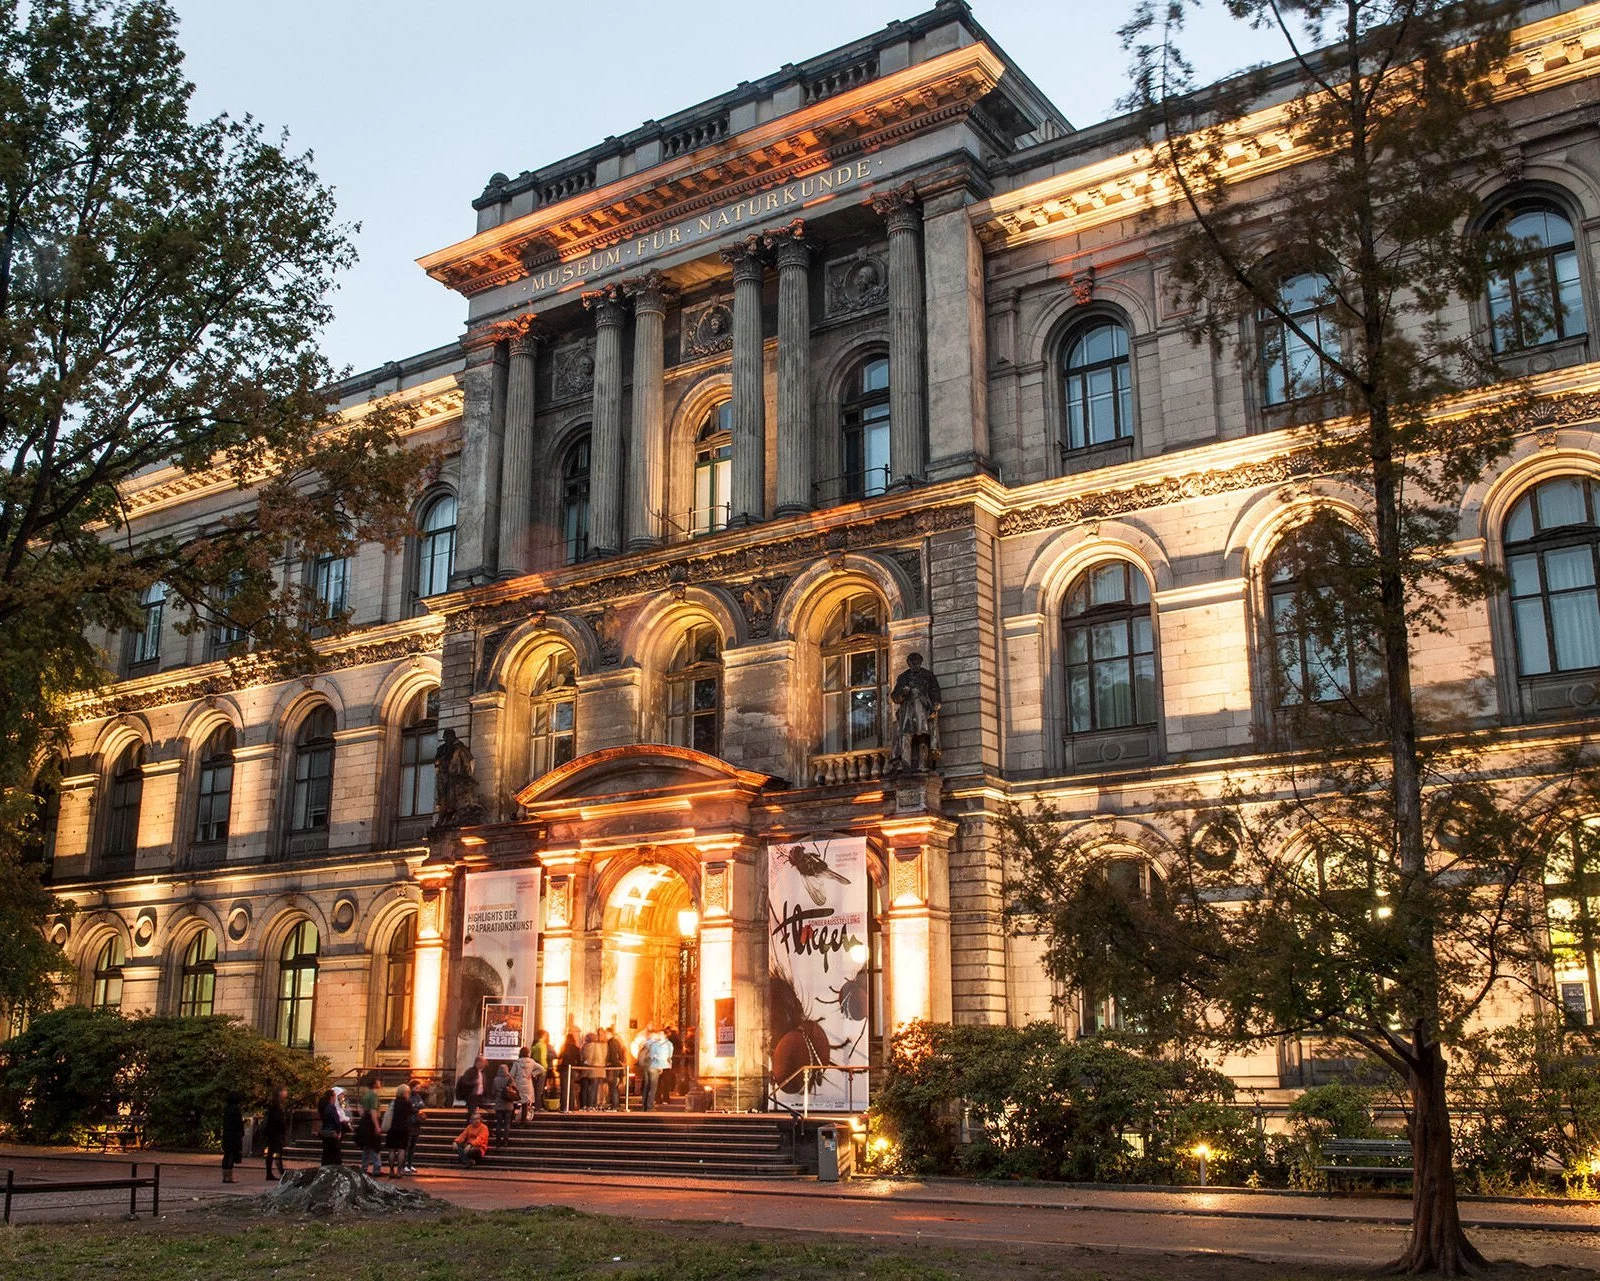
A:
[662,1142]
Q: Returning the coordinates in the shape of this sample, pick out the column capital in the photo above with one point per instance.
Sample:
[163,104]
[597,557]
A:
[789,244]
[526,335]
[486,337]
[900,208]
[747,259]
[608,304]
[650,292]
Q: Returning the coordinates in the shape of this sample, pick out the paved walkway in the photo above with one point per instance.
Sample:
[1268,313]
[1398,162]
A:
[1351,1230]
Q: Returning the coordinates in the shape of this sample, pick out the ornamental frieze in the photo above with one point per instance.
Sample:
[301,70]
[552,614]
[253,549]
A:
[251,670]
[736,563]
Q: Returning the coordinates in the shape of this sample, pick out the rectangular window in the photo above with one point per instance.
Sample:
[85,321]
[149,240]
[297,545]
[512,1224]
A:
[330,582]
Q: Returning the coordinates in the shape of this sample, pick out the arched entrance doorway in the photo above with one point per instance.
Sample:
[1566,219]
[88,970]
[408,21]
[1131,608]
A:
[649,957]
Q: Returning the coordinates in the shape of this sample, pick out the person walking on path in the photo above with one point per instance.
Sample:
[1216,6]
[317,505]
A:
[472,1144]
[397,1136]
[333,1127]
[522,1078]
[232,1135]
[275,1130]
[505,1103]
[570,1064]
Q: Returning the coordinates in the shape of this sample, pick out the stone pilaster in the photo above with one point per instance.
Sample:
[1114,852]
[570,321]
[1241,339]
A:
[795,446]
[748,485]
[516,459]
[958,380]
[605,457]
[902,213]
[483,383]
[647,443]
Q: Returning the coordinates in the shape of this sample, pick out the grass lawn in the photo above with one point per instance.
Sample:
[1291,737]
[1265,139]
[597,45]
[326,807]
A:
[231,1244]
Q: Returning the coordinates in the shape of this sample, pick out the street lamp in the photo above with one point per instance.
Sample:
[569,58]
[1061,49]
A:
[1203,1151]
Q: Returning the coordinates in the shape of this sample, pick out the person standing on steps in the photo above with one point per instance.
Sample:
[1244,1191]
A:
[275,1130]
[418,1115]
[505,1103]
[594,1069]
[616,1069]
[397,1138]
[522,1078]
[232,1135]
[541,1056]
[570,1065]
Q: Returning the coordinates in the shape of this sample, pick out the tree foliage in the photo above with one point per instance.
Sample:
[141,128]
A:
[163,281]
[1325,220]
[75,1066]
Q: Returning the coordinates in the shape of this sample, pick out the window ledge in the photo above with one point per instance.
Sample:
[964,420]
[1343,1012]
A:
[1560,694]
[1546,357]
[1093,457]
[1098,749]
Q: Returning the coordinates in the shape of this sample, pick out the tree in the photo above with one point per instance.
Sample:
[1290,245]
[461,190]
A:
[1331,203]
[162,285]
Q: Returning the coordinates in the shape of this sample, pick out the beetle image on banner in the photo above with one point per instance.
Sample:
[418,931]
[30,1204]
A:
[819,982]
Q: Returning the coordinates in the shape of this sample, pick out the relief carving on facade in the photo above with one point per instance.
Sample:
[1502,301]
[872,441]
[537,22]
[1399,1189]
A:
[607,627]
[759,599]
[572,369]
[857,283]
[707,328]
[904,883]
[558,903]
[714,888]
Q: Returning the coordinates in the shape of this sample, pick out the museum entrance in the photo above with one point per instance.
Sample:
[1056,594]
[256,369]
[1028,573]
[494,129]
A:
[650,956]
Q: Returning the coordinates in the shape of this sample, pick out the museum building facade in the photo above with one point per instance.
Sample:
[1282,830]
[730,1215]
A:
[871,358]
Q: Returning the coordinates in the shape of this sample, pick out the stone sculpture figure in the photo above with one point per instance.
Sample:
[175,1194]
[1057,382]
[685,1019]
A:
[916,698]
[455,788]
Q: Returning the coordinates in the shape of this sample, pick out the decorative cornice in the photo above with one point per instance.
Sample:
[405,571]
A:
[808,141]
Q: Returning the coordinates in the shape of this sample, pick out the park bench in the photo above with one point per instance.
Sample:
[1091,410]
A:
[1366,1159]
[132,1183]
[127,1132]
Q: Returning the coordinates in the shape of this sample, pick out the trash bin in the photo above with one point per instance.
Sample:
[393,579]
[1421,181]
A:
[836,1153]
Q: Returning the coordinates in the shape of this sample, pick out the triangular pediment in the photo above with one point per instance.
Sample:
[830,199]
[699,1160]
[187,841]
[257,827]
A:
[652,769]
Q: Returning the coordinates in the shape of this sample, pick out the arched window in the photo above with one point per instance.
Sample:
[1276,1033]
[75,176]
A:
[854,659]
[313,772]
[1098,386]
[1572,903]
[1291,367]
[197,985]
[1535,293]
[297,987]
[419,740]
[216,788]
[1319,658]
[436,546]
[105,991]
[1110,649]
[1134,881]
[694,690]
[126,798]
[864,429]
[1552,539]
[713,470]
[399,975]
[40,844]
[552,714]
[144,643]
[575,500]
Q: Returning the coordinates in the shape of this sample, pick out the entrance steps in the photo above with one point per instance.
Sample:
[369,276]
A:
[660,1142]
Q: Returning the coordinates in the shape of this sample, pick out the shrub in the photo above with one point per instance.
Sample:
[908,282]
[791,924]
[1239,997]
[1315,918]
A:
[73,1066]
[1323,1112]
[1038,1105]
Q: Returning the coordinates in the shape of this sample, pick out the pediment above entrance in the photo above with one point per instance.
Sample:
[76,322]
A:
[645,774]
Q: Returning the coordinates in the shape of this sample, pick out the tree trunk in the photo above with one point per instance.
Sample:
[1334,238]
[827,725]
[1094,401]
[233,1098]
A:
[1437,1242]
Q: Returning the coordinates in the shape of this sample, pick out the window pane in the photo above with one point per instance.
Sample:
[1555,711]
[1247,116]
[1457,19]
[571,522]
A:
[1533,649]
[1568,567]
[1077,645]
[1575,618]
[1524,575]
[1110,639]
[1113,696]
[1078,700]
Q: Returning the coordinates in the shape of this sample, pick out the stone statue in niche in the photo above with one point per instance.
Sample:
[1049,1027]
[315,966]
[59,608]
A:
[916,698]
[455,788]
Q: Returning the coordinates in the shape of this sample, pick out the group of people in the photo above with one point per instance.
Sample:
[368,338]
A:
[599,1060]
[384,1134]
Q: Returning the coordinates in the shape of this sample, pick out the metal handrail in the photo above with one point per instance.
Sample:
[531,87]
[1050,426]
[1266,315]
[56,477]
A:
[805,1112]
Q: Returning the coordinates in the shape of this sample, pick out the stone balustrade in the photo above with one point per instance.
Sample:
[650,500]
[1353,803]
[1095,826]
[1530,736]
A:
[831,768]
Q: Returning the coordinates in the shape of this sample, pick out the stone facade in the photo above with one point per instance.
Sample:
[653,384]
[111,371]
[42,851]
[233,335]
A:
[660,612]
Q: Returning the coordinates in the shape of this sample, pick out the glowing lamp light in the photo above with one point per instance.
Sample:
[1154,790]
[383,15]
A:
[1203,1151]
[688,923]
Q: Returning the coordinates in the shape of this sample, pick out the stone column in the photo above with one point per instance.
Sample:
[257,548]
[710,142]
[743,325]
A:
[907,358]
[748,486]
[647,442]
[605,456]
[795,445]
[516,457]
[483,383]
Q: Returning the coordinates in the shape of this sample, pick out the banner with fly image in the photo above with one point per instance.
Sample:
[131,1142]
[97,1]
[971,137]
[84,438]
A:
[819,981]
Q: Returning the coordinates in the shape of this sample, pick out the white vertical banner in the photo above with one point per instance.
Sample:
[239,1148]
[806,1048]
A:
[819,991]
[500,933]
